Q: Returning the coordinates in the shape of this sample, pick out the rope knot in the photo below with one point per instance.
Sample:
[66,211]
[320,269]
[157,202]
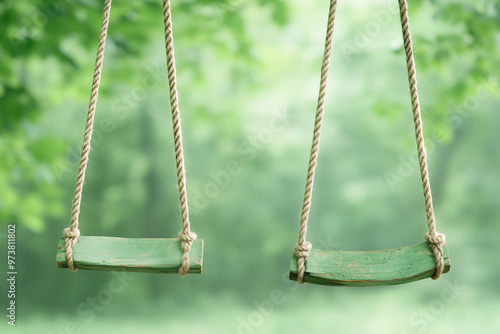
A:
[71,234]
[436,242]
[187,240]
[437,239]
[302,250]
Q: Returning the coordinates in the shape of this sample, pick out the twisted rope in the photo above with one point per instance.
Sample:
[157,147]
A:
[303,247]
[72,233]
[186,236]
[436,240]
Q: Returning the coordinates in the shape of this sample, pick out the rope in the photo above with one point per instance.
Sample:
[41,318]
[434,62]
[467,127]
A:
[72,233]
[186,236]
[436,240]
[303,247]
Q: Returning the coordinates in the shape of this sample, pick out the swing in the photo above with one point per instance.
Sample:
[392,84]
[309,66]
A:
[182,255]
[370,268]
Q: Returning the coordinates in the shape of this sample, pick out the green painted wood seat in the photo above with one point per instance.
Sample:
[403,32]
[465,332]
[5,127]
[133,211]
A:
[130,254]
[370,268]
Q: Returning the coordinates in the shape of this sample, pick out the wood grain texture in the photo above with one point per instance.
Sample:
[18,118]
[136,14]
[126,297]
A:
[130,254]
[385,267]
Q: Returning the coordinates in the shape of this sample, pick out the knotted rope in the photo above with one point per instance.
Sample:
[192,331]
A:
[186,236]
[303,247]
[72,233]
[436,240]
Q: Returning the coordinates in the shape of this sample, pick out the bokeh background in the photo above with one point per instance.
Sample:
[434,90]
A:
[248,76]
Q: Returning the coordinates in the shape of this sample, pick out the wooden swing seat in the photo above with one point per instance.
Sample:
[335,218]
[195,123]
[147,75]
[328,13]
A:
[370,268]
[153,255]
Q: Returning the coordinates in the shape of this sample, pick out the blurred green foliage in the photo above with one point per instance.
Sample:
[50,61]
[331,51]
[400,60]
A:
[248,74]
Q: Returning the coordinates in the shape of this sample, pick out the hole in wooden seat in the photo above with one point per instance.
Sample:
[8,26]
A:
[154,255]
[372,268]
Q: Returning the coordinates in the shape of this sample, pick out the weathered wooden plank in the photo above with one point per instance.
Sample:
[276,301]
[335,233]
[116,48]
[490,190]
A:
[384,267]
[130,254]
